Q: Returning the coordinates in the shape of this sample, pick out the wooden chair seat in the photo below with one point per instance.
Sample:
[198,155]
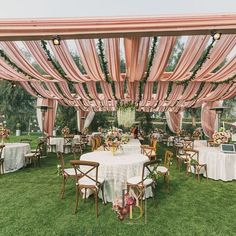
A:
[136,180]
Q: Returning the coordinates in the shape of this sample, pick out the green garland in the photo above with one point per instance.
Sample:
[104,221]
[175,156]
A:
[14,66]
[103,60]
[198,91]
[199,64]
[230,79]
[150,62]
[141,85]
[170,86]
[58,68]
[104,67]
[86,91]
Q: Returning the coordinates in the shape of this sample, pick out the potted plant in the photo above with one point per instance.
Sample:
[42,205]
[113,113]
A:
[18,132]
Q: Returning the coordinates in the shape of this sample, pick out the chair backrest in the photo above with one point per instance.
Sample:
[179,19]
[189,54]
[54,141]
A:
[77,148]
[192,154]
[87,169]
[93,143]
[188,144]
[1,149]
[168,157]
[26,140]
[39,148]
[148,168]
[68,140]
[153,143]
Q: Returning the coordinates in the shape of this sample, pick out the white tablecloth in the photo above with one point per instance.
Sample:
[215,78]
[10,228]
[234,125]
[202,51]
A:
[220,166]
[13,154]
[132,146]
[116,170]
[59,142]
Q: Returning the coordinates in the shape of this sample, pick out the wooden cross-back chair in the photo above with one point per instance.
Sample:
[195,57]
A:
[34,157]
[68,142]
[67,173]
[150,150]
[143,181]
[87,176]
[194,161]
[51,147]
[1,159]
[165,170]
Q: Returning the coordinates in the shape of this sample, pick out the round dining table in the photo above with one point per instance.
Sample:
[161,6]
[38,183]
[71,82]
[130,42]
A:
[116,170]
[14,156]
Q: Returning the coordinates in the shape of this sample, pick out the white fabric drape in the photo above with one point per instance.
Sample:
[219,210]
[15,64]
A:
[50,115]
[126,117]
[174,121]
[209,118]
[39,113]
[89,119]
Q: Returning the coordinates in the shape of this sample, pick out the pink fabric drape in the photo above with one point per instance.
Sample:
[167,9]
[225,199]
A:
[164,49]
[174,121]
[209,117]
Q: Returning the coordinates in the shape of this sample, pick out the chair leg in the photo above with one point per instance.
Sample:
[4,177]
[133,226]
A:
[205,166]
[63,187]
[77,199]
[96,201]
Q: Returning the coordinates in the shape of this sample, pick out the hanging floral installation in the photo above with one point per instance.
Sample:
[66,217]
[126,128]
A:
[125,113]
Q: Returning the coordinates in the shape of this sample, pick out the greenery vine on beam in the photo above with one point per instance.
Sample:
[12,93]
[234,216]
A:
[14,66]
[199,64]
[58,68]
[103,60]
[150,62]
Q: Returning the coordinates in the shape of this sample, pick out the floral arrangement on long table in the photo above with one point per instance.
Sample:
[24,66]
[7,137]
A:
[220,137]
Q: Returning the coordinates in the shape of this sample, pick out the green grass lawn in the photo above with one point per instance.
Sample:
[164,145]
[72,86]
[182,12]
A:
[30,204]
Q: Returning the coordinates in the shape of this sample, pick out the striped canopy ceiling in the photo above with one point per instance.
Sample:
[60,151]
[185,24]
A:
[95,84]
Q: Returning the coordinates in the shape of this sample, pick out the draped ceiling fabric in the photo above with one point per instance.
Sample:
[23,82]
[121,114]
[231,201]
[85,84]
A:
[209,119]
[84,84]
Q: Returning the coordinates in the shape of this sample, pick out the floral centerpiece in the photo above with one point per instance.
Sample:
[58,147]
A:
[113,139]
[197,133]
[65,131]
[221,137]
[4,133]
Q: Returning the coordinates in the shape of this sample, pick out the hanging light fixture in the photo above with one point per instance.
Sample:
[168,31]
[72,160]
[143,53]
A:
[216,35]
[56,40]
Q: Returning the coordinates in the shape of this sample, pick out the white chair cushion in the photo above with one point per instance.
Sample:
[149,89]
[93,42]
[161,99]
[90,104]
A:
[70,171]
[87,181]
[162,169]
[183,157]
[32,154]
[136,179]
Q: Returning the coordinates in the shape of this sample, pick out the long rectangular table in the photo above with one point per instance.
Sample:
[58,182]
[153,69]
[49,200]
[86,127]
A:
[220,166]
